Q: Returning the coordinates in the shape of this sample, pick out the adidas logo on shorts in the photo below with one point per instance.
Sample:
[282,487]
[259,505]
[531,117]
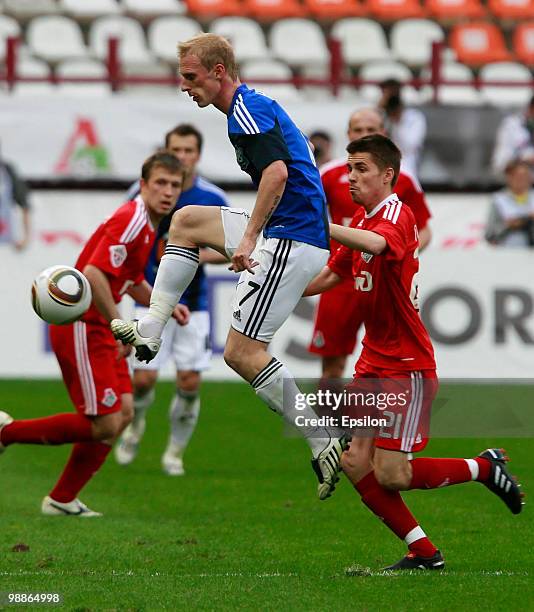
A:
[237,315]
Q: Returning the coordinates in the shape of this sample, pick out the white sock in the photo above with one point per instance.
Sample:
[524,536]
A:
[473,468]
[277,388]
[141,404]
[183,417]
[176,270]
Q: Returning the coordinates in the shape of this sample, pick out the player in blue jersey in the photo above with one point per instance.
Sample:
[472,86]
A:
[188,345]
[287,231]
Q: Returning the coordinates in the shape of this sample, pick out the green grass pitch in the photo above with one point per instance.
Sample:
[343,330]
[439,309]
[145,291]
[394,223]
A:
[243,529]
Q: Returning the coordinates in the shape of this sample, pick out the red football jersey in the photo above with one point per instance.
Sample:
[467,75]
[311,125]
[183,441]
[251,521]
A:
[386,285]
[335,178]
[120,248]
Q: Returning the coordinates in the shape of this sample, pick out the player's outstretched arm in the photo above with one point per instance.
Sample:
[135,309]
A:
[270,191]
[325,280]
[357,239]
[102,296]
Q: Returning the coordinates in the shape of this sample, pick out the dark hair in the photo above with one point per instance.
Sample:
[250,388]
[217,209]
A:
[185,129]
[384,152]
[516,163]
[161,159]
[321,134]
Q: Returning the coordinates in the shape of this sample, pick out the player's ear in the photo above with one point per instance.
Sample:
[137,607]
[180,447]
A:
[219,71]
[388,175]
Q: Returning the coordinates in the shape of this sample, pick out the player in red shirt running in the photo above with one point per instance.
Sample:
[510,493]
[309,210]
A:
[92,363]
[338,318]
[380,255]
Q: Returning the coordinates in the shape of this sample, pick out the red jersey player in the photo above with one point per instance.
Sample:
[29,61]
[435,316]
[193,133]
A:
[338,317]
[380,256]
[92,363]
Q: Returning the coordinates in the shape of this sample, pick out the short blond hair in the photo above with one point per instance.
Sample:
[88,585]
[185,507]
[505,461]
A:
[210,50]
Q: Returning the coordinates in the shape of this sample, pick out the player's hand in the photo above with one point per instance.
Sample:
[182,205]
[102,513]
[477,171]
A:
[123,350]
[182,314]
[241,259]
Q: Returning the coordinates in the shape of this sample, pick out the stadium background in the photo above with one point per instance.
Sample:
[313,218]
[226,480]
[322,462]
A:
[227,537]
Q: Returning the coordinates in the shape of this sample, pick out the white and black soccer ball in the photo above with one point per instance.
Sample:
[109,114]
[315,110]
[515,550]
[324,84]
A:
[61,295]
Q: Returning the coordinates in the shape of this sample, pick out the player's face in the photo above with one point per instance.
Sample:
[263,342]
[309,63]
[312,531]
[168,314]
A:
[519,180]
[363,124]
[198,82]
[368,184]
[161,190]
[185,148]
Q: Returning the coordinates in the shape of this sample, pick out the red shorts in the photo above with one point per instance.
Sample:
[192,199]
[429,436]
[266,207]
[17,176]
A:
[94,377]
[336,322]
[406,404]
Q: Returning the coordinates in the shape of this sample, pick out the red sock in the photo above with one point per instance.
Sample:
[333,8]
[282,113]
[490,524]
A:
[390,508]
[84,461]
[431,473]
[57,429]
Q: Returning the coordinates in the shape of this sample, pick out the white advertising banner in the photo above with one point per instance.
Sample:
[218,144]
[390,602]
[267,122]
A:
[477,301]
[59,137]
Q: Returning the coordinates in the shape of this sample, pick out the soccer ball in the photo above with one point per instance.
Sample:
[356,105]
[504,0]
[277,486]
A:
[61,295]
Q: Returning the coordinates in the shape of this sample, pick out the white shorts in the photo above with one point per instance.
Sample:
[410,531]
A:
[187,345]
[265,299]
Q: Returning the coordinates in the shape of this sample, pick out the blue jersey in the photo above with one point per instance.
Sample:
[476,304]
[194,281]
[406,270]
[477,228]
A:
[261,133]
[202,193]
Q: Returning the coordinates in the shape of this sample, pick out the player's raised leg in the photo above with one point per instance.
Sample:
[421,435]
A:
[191,228]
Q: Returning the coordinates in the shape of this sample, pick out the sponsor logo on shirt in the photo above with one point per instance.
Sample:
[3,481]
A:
[117,255]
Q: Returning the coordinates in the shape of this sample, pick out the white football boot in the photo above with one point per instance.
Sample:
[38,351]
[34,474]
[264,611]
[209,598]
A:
[327,465]
[51,507]
[126,331]
[5,419]
[172,461]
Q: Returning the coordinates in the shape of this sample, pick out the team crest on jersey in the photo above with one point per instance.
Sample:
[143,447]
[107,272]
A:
[110,397]
[318,339]
[117,255]
[367,257]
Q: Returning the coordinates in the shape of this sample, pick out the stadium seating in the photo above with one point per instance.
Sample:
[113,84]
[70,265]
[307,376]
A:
[272,10]
[82,68]
[144,11]
[505,95]
[452,94]
[512,9]
[392,10]
[9,28]
[165,32]
[84,11]
[298,42]
[132,46]
[23,10]
[523,41]
[447,11]
[331,10]
[206,10]
[245,35]
[30,67]
[55,38]
[478,43]
[411,41]
[271,69]
[362,40]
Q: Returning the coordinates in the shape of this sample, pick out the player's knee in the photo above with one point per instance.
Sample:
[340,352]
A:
[394,478]
[189,381]
[107,427]
[182,221]
[232,357]
[143,383]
